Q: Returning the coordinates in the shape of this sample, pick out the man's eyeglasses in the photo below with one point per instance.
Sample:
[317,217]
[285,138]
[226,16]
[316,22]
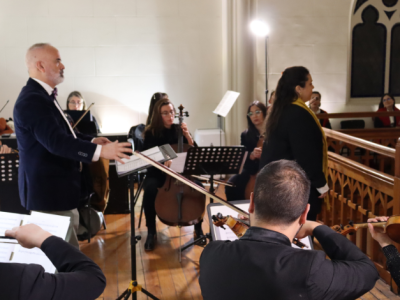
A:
[257,112]
[168,113]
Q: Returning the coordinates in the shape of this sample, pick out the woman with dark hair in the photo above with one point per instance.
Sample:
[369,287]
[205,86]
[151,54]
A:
[160,131]
[154,99]
[293,132]
[388,103]
[314,105]
[249,138]
[75,101]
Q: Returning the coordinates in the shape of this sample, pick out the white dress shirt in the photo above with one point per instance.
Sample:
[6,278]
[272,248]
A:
[49,90]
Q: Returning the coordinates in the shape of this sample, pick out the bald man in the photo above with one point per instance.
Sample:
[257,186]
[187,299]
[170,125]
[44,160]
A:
[51,153]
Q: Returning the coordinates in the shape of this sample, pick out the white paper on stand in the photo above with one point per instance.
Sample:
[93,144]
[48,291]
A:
[178,164]
[226,103]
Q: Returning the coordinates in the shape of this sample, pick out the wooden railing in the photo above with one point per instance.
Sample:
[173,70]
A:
[359,192]
[380,143]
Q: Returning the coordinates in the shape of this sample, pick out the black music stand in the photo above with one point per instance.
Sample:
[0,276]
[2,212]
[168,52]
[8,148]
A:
[212,161]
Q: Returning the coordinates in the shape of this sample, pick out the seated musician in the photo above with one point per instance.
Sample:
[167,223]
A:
[78,276]
[161,131]
[314,105]
[263,265]
[249,138]
[388,103]
[388,248]
[154,99]
[75,101]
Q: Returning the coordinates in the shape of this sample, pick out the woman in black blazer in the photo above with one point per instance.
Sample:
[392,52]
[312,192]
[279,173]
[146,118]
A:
[293,132]
[249,138]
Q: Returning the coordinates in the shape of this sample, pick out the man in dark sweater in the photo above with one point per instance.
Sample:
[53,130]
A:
[263,265]
[78,277]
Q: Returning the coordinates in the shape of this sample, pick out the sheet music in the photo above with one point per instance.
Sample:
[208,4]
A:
[228,234]
[178,164]
[226,103]
[8,221]
[135,162]
[56,225]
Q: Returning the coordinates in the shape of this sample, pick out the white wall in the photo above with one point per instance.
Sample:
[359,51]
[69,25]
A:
[117,53]
[314,34]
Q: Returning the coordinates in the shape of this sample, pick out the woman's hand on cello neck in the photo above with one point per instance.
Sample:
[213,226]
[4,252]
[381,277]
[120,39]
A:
[256,154]
[186,134]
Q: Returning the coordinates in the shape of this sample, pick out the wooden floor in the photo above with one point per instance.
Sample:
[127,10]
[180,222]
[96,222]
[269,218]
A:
[159,271]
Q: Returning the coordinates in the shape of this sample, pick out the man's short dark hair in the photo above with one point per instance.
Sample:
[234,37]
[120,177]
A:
[281,192]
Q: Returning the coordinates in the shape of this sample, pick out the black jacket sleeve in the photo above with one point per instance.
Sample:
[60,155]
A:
[393,262]
[348,275]
[305,139]
[78,278]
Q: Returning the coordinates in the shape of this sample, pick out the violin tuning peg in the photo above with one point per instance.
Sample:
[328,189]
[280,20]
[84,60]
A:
[351,222]
[341,226]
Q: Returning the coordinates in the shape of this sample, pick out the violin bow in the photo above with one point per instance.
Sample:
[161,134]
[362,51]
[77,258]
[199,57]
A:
[4,106]
[77,122]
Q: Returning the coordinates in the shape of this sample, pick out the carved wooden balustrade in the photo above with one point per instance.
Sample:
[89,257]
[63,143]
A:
[359,192]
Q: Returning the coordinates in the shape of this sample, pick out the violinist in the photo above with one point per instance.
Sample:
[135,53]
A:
[160,131]
[249,138]
[262,264]
[75,101]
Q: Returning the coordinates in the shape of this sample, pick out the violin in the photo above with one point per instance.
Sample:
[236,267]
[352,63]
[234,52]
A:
[391,227]
[252,180]
[239,227]
[178,204]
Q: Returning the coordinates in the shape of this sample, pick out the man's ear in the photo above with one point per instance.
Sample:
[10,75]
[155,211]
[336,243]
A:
[303,216]
[39,66]
[251,206]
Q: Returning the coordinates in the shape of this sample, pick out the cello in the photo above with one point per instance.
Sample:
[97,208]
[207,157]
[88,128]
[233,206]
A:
[176,203]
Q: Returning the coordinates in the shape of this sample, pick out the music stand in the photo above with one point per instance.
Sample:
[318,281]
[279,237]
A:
[214,160]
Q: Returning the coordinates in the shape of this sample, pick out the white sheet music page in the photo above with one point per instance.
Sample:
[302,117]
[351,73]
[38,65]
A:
[135,162]
[56,225]
[8,221]
[226,103]
[178,164]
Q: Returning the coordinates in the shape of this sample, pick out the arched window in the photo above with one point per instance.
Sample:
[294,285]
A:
[375,48]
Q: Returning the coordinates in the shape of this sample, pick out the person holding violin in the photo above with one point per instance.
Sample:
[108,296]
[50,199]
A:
[388,248]
[160,131]
[75,101]
[262,264]
[252,139]
[294,132]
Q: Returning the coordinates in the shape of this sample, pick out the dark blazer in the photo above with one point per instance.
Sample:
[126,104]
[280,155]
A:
[263,265]
[297,137]
[49,177]
[78,276]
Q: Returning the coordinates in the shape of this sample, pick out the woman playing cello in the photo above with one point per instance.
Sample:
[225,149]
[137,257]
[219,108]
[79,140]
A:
[160,131]
[249,138]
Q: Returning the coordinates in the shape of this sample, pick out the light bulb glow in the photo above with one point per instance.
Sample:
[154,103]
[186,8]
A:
[259,28]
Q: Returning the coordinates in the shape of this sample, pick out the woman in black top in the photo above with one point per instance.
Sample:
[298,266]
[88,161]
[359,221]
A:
[388,248]
[160,131]
[249,138]
[293,132]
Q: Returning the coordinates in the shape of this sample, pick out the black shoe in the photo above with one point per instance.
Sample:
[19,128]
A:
[198,232]
[150,241]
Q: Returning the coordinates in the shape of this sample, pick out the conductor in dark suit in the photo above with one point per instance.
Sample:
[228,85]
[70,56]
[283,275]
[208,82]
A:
[263,264]
[78,276]
[50,152]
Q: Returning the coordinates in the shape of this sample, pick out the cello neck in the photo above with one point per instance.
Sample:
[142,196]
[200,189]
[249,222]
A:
[180,135]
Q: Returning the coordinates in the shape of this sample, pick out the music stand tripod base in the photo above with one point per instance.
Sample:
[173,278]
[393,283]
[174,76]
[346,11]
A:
[133,288]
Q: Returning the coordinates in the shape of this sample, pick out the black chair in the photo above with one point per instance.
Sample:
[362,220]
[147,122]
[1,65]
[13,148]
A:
[136,134]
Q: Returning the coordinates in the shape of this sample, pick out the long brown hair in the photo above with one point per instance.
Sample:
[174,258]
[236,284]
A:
[156,125]
[285,94]
[154,99]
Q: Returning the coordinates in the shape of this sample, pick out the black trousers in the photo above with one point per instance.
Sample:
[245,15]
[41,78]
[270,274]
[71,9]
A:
[315,204]
[149,198]
[240,181]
